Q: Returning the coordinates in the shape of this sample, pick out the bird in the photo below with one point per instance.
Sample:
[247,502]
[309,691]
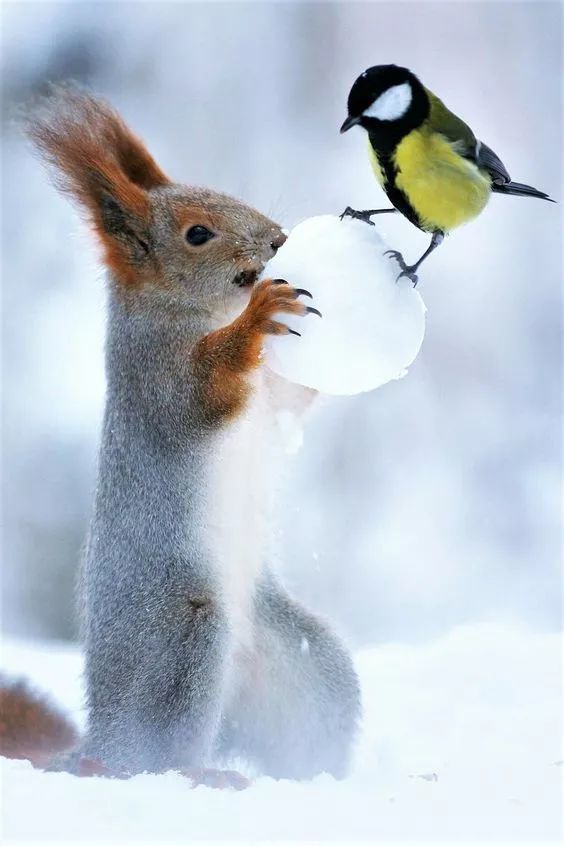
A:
[429,162]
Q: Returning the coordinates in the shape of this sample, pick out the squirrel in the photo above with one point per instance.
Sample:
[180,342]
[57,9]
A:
[194,652]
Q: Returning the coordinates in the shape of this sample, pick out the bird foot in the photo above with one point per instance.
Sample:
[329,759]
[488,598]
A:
[406,270]
[357,215]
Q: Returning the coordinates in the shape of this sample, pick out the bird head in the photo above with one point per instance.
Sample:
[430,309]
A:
[386,98]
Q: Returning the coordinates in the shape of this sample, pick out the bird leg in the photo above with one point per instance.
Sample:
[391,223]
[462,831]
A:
[411,270]
[364,215]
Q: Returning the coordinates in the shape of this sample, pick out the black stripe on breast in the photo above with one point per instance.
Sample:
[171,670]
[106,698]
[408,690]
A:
[395,194]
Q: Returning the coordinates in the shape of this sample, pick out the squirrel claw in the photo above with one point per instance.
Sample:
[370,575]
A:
[312,310]
[304,292]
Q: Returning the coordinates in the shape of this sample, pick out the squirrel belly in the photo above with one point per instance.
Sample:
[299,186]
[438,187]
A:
[237,527]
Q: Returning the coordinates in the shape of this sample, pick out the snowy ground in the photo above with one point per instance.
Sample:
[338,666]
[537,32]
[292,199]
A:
[462,740]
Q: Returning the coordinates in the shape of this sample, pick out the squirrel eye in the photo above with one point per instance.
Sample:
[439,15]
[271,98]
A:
[198,235]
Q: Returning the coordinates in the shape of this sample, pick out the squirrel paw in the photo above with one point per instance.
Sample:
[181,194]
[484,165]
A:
[218,779]
[273,296]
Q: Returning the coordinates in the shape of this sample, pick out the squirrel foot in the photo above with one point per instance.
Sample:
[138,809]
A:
[75,763]
[85,767]
[88,767]
[218,779]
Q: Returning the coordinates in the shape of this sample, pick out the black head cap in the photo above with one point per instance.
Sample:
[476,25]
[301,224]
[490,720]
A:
[407,104]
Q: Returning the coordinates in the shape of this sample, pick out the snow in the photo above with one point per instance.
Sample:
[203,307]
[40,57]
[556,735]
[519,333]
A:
[290,429]
[372,326]
[461,740]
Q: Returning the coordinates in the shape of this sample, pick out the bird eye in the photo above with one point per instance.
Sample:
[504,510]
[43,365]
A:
[198,235]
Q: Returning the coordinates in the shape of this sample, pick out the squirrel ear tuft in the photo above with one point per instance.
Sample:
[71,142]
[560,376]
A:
[98,161]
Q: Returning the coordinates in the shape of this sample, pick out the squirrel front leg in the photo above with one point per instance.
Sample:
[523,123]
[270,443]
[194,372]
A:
[224,358]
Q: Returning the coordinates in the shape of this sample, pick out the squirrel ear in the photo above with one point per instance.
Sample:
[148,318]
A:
[104,167]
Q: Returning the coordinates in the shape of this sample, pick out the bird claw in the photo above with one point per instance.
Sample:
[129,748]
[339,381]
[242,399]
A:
[395,254]
[410,274]
[406,271]
[356,215]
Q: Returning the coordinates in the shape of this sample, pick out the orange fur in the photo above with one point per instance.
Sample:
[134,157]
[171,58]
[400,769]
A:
[99,162]
[187,216]
[225,357]
[30,727]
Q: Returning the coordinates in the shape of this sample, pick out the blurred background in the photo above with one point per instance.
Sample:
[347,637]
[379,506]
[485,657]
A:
[433,501]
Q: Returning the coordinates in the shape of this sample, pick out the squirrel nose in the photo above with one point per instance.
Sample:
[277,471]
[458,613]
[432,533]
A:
[277,242]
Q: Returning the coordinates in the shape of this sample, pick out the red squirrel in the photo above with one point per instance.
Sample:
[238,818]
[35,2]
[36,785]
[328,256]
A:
[194,652]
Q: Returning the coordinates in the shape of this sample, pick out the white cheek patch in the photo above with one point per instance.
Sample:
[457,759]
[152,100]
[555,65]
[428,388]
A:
[392,104]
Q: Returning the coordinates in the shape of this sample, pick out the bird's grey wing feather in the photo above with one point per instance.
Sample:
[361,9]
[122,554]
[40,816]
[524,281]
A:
[488,160]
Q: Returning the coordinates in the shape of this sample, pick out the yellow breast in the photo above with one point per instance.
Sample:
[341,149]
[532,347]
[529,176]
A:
[445,189]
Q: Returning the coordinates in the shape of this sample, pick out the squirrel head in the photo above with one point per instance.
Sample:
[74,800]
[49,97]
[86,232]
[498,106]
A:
[190,247]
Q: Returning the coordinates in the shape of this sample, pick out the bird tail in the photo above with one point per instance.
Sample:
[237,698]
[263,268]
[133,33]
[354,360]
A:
[517,189]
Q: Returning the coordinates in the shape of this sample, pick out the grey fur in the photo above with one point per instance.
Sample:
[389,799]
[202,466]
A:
[305,723]
[167,686]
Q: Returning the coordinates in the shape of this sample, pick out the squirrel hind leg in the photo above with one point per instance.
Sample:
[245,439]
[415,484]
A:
[302,719]
[32,728]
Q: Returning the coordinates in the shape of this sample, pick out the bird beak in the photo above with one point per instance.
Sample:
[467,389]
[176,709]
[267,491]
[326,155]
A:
[349,122]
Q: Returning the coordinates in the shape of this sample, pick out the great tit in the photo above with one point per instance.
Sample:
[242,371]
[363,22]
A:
[428,161]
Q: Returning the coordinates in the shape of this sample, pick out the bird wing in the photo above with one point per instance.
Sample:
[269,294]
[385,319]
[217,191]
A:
[491,162]
[465,142]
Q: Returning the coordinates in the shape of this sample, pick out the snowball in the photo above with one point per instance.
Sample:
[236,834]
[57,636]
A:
[372,327]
